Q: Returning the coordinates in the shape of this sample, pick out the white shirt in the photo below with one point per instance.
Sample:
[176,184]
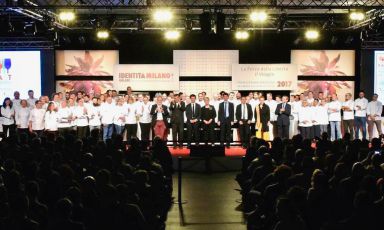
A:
[22,117]
[7,114]
[334,116]
[320,115]
[253,104]
[348,115]
[80,112]
[244,111]
[305,116]
[130,114]
[363,103]
[272,104]
[94,115]
[31,102]
[36,117]
[106,113]
[64,115]
[375,108]
[51,120]
[159,116]
[16,103]
[145,113]
[119,115]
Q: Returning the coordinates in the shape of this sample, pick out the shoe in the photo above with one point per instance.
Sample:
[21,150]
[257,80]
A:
[174,147]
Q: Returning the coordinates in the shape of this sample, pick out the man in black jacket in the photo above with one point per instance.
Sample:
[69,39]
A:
[283,111]
[177,108]
[244,117]
[225,120]
[193,114]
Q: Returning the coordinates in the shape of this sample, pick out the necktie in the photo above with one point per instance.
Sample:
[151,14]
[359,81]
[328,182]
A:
[283,105]
[226,110]
[193,110]
[243,117]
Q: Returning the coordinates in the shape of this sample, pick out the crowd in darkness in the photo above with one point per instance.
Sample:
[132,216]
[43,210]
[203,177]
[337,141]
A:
[62,182]
[294,184]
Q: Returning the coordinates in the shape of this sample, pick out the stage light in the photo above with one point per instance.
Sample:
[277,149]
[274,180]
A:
[30,29]
[356,16]
[258,16]
[312,34]
[172,35]
[140,24]
[162,16]
[241,35]
[281,23]
[102,34]
[67,16]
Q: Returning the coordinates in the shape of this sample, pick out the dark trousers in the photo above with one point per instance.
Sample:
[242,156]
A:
[10,128]
[82,131]
[283,131]
[225,132]
[38,132]
[177,132]
[64,131]
[145,131]
[348,127]
[360,122]
[274,129]
[316,131]
[306,132]
[209,132]
[244,132]
[131,131]
[20,130]
[193,132]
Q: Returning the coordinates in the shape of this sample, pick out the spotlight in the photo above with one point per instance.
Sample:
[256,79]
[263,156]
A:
[258,16]
[233,24]
[356,16]
[49,23]
[172,35]
[162,16]
[67,16]
[205,22]
[281,23]
[329,24]
[188,24]
[102,34]
[140,24]
[242,35]
[312,34]
[30,29]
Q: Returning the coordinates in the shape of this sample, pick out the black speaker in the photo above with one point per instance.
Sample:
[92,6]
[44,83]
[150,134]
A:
[207,151]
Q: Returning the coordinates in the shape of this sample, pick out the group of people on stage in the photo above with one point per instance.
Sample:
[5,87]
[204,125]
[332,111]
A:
[125,114]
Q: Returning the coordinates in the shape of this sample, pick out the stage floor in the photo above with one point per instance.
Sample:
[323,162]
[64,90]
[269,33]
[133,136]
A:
[233,151]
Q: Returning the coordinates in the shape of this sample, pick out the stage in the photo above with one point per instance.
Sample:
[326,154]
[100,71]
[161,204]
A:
[209,159]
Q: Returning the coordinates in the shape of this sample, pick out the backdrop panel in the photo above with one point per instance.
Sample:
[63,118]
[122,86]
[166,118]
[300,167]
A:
[210,87]
[264,77]
[327,87]
[86,62]
[379,75]
[205,63]
[146,77]
[324,62]
[89,87]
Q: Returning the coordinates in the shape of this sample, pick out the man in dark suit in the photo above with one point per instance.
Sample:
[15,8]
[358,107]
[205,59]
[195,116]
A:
[283,111]
[244,117]
[159,113]
[177,108]
[225,120]
[193,114]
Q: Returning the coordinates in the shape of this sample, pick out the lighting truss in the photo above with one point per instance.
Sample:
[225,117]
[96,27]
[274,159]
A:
[200,4]
[25,43]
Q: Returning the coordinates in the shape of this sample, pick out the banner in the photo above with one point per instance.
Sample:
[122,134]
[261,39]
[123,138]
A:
[324,62]
[326,87]
[264,77]
[92,88]
[379,75]
[86,62]
[205,63]
[146,77]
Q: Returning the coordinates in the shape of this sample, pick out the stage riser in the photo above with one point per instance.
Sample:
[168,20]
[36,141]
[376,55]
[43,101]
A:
[209,165]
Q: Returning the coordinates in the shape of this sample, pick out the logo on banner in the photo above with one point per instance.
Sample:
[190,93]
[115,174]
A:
[5,66]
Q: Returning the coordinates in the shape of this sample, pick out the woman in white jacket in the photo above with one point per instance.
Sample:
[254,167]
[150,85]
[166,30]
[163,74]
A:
[7,113]
[22,117]
[51,119]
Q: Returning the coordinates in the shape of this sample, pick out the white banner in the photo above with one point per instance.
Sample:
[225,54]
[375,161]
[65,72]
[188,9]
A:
[264,77]
[146,77]
[379,74]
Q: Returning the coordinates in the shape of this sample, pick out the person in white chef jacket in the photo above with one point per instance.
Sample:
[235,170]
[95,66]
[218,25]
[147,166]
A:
[51,119]
[374,110]
[7,113]
[31,99]
[81,118]
[334,117]
[361,104]
[145,119]
[107,118]
[272,104]
[119,116]
[321,117]
[22,117]
[94,119]
[348,117]
[305,120]
[36,119]
[131,119]
[65,118]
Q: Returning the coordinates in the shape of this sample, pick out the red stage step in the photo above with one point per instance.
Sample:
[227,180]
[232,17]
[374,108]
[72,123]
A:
[234,151]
